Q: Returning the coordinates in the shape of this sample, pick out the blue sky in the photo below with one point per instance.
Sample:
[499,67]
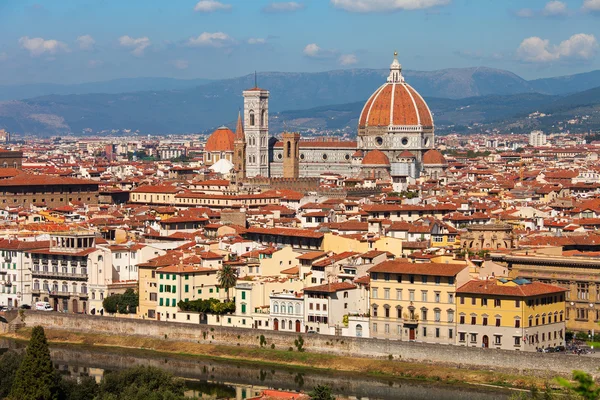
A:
[69,41]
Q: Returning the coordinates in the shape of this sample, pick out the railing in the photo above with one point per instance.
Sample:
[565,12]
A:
[51,274]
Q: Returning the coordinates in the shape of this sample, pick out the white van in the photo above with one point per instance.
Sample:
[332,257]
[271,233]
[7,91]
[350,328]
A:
[43,306]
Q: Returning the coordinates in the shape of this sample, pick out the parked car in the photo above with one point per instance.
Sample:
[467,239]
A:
[3,308]
[25,307]
[558,349]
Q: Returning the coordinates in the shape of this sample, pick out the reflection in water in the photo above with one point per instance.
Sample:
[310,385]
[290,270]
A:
[210,379]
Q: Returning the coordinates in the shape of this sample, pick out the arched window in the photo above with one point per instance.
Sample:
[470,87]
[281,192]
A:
[100,258]
[289,150]
[74,288]
[290,325]
[359,330]
[55,286]
[83,288]
[251,118]
[263,117]
[36,285]
[290,309]
[275,308]
[65,287]
[45,286]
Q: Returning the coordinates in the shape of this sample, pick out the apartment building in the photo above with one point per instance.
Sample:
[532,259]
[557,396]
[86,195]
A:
[510,314]
[415,302]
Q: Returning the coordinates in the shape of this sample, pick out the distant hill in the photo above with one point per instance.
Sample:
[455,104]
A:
[19,92]
[460,96]
[567,84]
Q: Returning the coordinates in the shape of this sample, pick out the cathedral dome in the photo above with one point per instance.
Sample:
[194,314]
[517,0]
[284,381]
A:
[220,140]
[434,157]
[395,103]
[376,157]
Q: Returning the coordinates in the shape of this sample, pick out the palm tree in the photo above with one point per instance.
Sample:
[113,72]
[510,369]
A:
[227,278]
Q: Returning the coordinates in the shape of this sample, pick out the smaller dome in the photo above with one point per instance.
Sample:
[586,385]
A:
[406,154]
[358,153]
[220,140]
[434,157]
[376,157]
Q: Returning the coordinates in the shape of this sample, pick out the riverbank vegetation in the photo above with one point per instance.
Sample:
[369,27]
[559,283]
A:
[31,376]
[325,363]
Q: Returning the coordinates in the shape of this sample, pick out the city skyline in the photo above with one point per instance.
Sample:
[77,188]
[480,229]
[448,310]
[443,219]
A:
[83,41]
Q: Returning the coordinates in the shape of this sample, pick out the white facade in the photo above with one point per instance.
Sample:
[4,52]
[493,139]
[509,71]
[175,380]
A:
[287,312]
[256,129]
[537,138]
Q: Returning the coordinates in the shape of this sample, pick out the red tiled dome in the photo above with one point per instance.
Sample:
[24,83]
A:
[395,103]
[220,140]
[432,157]
[376,157]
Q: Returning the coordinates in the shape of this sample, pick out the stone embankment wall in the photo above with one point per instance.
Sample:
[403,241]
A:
[460,357]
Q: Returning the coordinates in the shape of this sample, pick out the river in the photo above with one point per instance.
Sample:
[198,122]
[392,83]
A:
[212,379]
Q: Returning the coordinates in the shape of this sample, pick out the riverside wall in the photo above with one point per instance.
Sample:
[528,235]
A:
[538,364]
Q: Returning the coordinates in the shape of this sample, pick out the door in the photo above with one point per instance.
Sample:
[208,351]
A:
[486,341]
[411,334]
[75,310]
[276,324]
[297,326]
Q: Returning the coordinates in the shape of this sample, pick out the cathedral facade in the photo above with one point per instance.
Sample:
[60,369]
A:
[395,140]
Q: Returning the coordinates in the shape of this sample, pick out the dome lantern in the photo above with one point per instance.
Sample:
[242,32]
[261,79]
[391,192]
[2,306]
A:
[395,71]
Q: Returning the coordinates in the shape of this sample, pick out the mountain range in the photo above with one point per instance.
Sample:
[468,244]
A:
[458,97]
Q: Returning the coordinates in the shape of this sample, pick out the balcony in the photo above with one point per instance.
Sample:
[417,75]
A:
[60,293]
[58,275]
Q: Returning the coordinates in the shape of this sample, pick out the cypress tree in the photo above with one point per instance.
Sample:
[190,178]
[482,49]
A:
[36,378]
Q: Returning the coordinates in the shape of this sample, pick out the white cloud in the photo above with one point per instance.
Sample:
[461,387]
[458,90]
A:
[537,50]
[257,41]
[208,6]
[365,6]
[39,46]
[348,59]
[312,50]
[555,8]
[137,45]
[216,39]
[525,13]
[86,42]
[285,6]
[591,5]
[180,64]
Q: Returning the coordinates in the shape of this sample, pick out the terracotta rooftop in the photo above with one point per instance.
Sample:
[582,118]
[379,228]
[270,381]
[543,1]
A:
[497,288]
[404,267]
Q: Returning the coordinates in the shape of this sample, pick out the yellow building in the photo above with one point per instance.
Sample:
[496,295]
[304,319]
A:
[340,244]
[510,314]
[415,302]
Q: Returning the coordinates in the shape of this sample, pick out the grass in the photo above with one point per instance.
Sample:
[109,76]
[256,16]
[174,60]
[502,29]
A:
[325,363]
[596,345]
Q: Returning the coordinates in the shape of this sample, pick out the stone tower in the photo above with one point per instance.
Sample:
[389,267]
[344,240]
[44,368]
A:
[239,150]
[291,155]
[256,130]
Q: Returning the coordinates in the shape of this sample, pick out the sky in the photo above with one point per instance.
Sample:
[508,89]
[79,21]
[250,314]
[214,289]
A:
[72,41]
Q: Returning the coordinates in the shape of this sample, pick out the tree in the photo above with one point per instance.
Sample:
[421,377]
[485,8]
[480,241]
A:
[125,303]
[227,278]
[584,387]
[321,392]
[141,383]
[9,364]
[36,378]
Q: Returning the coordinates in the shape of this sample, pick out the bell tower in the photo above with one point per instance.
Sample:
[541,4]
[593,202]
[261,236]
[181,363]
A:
[239,150]
[291,155]
[256,130]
